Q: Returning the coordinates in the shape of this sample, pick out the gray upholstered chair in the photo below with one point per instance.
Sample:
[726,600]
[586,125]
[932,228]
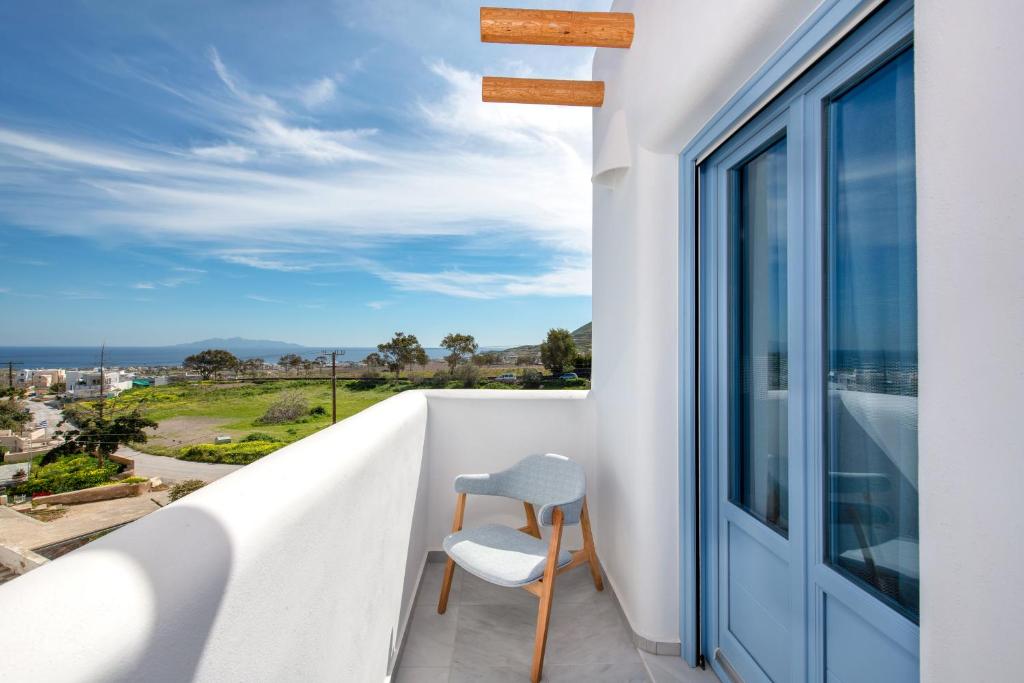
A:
[520,558]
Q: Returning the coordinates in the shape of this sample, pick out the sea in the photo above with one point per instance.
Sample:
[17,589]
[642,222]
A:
[159,356]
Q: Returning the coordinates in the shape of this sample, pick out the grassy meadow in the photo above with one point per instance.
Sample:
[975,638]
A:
[192,415]
[196,413]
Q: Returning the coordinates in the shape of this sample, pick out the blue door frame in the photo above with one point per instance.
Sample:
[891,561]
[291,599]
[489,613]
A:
[886,29]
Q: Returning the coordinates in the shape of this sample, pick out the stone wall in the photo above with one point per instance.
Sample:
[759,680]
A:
[94,494]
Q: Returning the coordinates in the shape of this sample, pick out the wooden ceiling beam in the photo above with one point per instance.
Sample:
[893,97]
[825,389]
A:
[543,91]
[553,27]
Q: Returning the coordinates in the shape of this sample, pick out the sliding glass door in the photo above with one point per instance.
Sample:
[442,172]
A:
[807,327]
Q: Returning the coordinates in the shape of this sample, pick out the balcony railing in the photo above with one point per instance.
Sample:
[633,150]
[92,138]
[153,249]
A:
[301,566]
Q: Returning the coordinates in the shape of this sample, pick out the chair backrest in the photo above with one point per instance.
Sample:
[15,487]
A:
[547,480]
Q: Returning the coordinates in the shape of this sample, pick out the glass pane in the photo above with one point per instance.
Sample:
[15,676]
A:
[759,383]
[871,302]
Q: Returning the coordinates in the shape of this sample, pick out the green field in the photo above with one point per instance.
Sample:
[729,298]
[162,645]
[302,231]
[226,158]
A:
[193,414]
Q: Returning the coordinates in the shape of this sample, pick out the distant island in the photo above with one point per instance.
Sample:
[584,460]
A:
[236,343]
[269,350]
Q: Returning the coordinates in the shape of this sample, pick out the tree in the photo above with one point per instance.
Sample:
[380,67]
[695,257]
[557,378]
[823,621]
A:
[211,361]
[290,361]
[402,351]
[460,345]
[13,415]
[251,366]
[558,351]
[489,358]
[100,430]
[374,360]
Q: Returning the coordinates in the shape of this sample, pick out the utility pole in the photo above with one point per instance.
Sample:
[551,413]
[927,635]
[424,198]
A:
[103,353]
[10,374]
[334,353]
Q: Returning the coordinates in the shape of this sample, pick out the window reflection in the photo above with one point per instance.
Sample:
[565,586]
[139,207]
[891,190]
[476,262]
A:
[759,364]
[871,302]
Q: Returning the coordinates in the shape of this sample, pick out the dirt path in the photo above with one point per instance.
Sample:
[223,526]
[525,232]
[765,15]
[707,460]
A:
[177,432]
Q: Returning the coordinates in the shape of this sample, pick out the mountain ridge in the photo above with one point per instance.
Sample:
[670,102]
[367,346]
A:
[237,343]
[582,336]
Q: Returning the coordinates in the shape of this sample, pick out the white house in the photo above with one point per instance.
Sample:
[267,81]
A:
[86,383]
[809,212]
[40,377]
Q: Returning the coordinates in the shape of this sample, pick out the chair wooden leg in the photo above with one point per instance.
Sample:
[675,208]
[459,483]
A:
[449,569]
[532,527]
[446,586]
[548,585]
[588,546]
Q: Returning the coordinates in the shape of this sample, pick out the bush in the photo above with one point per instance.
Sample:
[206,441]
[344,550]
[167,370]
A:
[318,410]
[258,436]
[183,488]
[241,453]
[288,407]
[439,380]
[532,379]
[468,376]
[68,474]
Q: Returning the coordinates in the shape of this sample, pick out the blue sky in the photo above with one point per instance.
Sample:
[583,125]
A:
[315,172]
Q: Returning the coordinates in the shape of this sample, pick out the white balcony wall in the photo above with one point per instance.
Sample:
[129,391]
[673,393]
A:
[293,568]
[301,566]
[484,431]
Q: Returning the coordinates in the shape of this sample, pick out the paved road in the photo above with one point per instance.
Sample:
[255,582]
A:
[172,469]
[41,411]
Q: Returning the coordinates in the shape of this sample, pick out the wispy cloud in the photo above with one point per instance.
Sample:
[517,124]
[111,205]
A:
[257,100]
[306,196]
[228,152]
[562,281]
[255,260]
[263,299]
[78,294]
[378,305]
[314,144]
[143,285]
[319,92]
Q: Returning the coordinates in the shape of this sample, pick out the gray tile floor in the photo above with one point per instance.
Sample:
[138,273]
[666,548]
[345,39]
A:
[487,635]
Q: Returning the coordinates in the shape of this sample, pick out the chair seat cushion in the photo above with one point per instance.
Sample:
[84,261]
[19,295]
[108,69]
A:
[500,554]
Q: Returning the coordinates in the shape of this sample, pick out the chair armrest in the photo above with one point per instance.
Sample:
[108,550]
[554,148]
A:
[571,510]
[478,484]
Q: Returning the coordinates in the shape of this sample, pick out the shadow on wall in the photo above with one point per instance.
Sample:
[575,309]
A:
[166,596]
[187,603]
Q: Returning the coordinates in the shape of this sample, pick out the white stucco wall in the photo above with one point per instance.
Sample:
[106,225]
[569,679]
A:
[688,58]
[301,566]
[970,165]
[292,568]
[485,431]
